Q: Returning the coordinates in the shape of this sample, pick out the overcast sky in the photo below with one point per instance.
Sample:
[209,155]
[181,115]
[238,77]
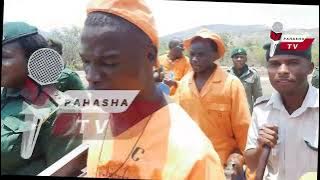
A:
[170,16]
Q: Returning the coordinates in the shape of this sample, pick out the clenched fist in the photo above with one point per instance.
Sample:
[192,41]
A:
[268,135]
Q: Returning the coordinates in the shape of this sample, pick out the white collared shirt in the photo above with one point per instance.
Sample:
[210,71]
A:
[291,157]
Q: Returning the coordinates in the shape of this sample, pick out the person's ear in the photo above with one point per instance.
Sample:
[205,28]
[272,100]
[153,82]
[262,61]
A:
[311,68]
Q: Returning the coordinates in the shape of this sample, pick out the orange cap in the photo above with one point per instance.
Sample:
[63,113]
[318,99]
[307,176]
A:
[134,11]
[206,34]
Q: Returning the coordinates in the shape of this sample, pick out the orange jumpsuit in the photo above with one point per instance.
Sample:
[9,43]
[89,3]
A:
[220,109]
[179,67]
[171,146]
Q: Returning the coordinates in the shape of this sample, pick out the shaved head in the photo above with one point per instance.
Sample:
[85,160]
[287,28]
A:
[174,42]
[176,48]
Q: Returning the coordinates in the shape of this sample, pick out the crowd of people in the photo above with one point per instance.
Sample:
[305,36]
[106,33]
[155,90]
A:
[190,120]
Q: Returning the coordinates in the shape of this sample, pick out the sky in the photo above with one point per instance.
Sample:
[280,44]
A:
[170,16]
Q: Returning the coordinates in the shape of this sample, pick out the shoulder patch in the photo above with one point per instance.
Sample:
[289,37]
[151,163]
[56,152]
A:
[253,70]
[261,100]
[67,71]
[57,96]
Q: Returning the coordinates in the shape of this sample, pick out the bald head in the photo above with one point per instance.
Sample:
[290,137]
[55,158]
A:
[175,42]
[176,48]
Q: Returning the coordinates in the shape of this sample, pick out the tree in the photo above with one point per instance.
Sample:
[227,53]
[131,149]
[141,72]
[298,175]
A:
[70,39]
[315,51]
[229,45]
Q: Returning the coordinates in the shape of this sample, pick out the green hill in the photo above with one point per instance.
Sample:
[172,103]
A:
[251,37]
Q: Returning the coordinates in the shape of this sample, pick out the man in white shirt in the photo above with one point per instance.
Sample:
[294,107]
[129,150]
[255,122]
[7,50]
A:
[288,121]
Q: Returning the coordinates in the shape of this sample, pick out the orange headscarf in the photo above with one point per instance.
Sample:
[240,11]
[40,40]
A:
[134,11]
[206,34]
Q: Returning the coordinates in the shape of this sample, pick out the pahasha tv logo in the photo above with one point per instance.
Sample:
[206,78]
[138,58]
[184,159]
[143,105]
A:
[288,42]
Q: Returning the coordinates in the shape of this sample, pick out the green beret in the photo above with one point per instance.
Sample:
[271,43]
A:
[15,30]
[237,51]
[306,53]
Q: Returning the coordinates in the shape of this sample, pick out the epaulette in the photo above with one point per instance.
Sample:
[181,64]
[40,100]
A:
[55,95]
[67,71]
[253,69]
[261,100]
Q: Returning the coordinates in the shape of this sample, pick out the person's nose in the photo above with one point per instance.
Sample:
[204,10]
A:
[93,74]
[283,69]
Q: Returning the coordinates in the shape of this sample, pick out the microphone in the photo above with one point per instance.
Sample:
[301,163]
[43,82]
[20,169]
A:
[44,68]
[275,35]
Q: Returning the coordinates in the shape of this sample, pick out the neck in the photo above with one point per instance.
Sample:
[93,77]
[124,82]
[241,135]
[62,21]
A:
[240,71]
[206,73]
[294,100]
[143,106]
[172,58]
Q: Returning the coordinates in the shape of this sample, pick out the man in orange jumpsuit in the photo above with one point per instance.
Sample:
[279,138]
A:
[174,63]
[214,99]
[119,46]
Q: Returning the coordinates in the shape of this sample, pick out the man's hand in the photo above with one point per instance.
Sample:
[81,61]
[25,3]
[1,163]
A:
[268,135]
[234,168]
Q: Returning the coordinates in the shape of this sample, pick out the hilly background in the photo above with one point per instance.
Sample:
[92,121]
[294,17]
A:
[251,37]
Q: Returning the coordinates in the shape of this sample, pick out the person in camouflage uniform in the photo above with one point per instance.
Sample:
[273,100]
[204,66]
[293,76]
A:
[315,77]
[22,99]
[69,80]
[248,76]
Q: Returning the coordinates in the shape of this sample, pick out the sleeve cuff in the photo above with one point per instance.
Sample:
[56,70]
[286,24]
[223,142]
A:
[250,147]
